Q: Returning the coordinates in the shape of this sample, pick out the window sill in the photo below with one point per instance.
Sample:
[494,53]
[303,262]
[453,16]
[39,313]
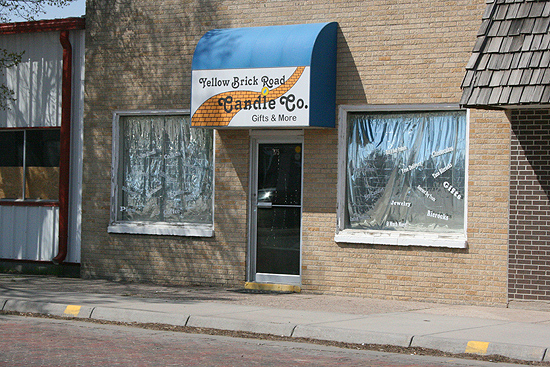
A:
[401,238]
[162,229]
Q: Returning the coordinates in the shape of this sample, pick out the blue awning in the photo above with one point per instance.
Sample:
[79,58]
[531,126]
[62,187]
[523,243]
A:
[256,49]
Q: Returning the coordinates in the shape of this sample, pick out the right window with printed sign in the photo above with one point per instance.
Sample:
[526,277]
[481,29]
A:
[405,177]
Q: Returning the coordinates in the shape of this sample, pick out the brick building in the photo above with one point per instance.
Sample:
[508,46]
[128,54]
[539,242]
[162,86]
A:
[346,163]
[510,70]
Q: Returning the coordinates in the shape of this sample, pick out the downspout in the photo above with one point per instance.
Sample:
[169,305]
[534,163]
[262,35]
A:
[65,147]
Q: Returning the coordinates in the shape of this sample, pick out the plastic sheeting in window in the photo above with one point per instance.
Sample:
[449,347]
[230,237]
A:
[406,171]
[167,172]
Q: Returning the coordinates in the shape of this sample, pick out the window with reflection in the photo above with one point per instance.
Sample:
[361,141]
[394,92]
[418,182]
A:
[405,171]
[164,172]
[29,164]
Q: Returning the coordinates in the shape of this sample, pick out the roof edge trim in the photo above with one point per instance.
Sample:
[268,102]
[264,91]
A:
[66,24]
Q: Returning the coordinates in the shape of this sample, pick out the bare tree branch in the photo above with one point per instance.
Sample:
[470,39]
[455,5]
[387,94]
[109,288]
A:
[24,9]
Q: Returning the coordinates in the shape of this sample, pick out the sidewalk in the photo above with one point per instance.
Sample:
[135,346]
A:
[515,332]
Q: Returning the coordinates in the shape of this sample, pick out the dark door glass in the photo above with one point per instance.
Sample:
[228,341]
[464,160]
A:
[279,208]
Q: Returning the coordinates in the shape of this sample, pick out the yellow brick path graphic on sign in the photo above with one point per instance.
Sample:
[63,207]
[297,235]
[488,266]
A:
[211,113]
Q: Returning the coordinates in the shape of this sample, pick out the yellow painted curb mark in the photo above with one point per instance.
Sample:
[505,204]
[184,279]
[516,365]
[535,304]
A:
[72,310]
[272,287]
[477,347]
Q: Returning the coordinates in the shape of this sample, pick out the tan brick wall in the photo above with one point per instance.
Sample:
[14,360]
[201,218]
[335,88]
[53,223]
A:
[389,52]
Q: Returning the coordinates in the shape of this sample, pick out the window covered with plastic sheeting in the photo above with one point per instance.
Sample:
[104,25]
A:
[164,180]
[405,172]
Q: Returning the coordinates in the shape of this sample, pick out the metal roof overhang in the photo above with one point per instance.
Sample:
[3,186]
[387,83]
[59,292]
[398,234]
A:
[249,53]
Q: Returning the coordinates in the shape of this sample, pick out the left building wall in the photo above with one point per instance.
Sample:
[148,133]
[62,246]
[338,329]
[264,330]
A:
[29,229]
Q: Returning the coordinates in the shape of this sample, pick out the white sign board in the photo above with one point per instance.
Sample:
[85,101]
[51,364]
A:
[251,98]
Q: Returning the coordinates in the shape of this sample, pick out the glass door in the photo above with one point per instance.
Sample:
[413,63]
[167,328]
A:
[277,213]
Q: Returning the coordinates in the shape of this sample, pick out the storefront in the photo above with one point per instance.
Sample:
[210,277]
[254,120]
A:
[275,81]
[285,146]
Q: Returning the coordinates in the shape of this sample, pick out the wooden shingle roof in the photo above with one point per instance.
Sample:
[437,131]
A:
[510,62]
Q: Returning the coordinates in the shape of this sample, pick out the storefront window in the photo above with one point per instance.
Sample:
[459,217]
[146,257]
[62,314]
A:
[164,175]
[29,164]
[405,176]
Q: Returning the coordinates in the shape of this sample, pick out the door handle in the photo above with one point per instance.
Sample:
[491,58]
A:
[265,205]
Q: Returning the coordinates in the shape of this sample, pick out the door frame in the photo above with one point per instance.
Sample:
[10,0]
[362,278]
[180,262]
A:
[258,137]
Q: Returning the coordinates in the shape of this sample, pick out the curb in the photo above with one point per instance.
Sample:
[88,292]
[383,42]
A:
[259,327]
[351,336]
[44,308]
[139,316]
[454,346]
